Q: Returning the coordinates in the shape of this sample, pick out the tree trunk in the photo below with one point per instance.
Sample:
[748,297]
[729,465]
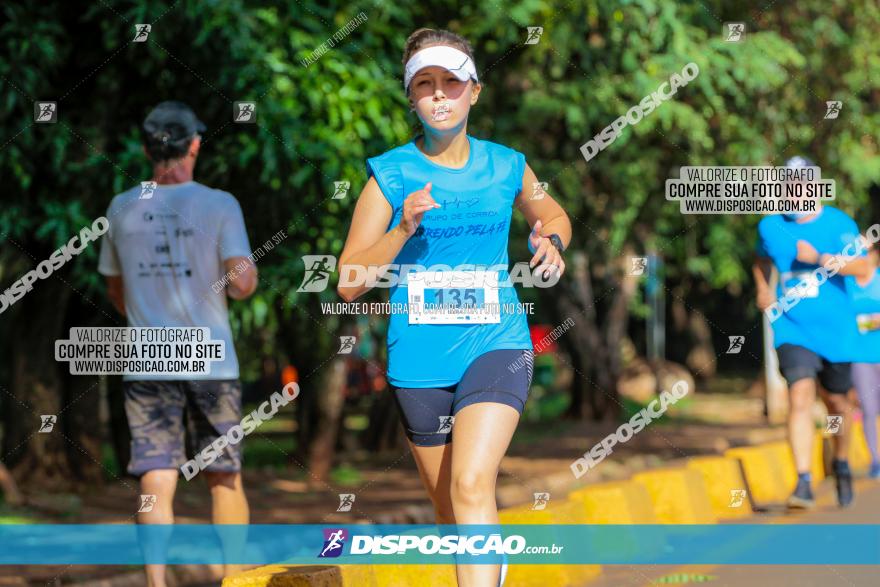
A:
[84,428]
[617,319]
[37,388]
[696,350]
[594,346]
[82,409]
[596,384]
[120,434]
[701,359]
[384,431]
[10,490]
[330,401]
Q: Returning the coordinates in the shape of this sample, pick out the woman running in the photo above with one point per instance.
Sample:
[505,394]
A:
[865,295]
[445,199]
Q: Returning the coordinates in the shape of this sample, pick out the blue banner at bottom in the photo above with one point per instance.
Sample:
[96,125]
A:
[740,544]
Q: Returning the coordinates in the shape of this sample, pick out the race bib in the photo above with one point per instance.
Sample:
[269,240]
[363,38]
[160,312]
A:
[453,297]
[790,282]
[868,322]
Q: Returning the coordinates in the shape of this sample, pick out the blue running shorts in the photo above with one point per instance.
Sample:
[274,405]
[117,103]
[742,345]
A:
[500,376]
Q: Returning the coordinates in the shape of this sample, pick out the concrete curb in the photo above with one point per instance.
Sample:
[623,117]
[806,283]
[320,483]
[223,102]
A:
[783,457]
[440,575]
[817,469]
[565,511]
[859,454]
[698,493]
[290,576]
[761,467]
[623,503]
[616,502]
[723,477]
[679,496]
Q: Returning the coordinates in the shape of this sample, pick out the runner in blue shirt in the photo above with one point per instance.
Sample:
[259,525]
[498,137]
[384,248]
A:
[460,360]
[865,294]
[813,328]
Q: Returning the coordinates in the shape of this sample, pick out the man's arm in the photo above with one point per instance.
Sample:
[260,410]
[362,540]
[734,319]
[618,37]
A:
[846,263]
[859,267]
[242,277]
[761,269]
[116,292]
[234,249]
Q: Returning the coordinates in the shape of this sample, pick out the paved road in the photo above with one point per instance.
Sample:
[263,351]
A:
[865,510]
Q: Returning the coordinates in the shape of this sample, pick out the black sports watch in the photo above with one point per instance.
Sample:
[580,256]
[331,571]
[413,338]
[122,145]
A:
[556,242]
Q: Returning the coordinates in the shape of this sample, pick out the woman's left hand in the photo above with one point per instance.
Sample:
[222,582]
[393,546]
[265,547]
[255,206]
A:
[546,255]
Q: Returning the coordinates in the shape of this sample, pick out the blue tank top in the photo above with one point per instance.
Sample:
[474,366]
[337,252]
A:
[470,228]
[866,304]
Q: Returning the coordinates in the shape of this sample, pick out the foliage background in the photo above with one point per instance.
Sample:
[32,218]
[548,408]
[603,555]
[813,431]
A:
[754,103]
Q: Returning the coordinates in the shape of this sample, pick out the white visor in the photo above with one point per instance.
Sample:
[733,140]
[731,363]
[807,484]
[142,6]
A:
[449,58]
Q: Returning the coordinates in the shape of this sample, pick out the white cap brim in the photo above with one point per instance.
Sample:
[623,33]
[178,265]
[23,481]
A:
[456,62]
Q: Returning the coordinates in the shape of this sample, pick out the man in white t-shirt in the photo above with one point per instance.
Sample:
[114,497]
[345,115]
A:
[170,243]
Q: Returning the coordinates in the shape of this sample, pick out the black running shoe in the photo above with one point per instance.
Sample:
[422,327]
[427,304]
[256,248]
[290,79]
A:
[844,481]
[802,498]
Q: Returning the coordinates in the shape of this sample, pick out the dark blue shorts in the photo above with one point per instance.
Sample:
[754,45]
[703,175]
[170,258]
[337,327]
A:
[797,362]
[501,377]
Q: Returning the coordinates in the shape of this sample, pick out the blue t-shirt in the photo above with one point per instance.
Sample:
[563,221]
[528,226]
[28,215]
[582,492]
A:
[866,305]
[470,228]
[822,320]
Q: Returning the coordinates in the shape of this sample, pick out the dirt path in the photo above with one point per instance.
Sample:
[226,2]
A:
[389,490]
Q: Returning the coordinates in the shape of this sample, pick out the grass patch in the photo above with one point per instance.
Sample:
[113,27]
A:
[357,422]
[108,461]
[281,422]
[16,520]
[10,515]
[345,475]
[261,451]
[631,408]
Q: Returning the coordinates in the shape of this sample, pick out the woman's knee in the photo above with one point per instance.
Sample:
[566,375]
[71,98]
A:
[472,487]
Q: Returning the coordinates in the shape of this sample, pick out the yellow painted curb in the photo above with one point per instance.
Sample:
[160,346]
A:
[781,451]
[571,511]
[393,575]
[817,469]
[766,483]
[625,503]
[679,496]
[784,457]
[728,492]
[303,576]
[616,502]
[564,511]
[859,454]
[389,575]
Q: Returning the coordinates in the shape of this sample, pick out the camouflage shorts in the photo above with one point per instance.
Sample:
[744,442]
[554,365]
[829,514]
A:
[156,411]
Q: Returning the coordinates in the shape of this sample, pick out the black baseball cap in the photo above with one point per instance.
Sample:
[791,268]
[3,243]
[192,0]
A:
[174,120]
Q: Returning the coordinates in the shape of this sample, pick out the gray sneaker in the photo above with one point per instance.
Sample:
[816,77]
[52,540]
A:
[802,498]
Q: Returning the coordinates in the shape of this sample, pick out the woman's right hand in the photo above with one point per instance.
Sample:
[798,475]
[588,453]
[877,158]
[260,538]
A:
[414,207]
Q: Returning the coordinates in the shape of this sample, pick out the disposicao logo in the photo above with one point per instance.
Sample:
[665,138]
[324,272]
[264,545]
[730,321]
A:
[334,542]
